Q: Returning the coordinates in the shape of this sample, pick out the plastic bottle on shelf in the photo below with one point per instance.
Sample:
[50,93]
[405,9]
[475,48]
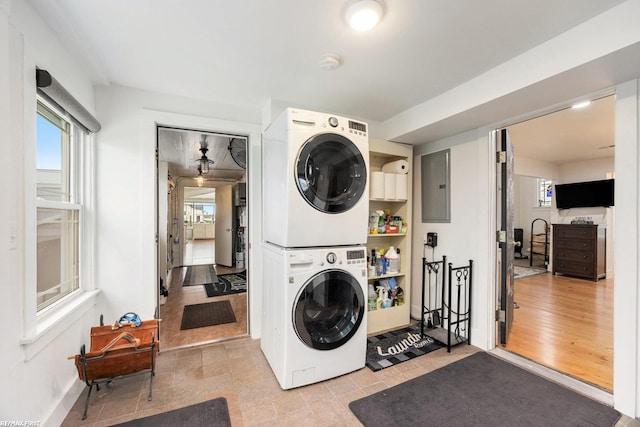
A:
[394,260]
[380,298]
[372,299]
[380,263]
[386,301]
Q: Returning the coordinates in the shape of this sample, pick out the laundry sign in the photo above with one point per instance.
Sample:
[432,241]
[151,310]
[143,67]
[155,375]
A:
[412,340]
[398,346]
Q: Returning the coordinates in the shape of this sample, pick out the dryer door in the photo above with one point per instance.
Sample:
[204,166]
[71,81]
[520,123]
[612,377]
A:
[329,310]
[331,173]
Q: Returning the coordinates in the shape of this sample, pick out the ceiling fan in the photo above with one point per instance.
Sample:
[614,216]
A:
[204,162]
[238,149]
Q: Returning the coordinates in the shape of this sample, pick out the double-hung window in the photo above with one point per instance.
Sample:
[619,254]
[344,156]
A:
[58,205]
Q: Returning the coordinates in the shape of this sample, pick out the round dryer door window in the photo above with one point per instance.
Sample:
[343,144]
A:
[328,310]
[331,173]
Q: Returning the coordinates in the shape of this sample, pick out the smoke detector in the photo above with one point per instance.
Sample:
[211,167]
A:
[330,61]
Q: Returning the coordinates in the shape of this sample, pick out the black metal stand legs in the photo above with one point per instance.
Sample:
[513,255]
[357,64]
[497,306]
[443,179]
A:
[446,315]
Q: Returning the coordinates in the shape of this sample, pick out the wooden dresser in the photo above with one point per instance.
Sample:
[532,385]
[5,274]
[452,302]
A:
[579,250]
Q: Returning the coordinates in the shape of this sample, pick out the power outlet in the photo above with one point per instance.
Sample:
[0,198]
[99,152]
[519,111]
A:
[432,240]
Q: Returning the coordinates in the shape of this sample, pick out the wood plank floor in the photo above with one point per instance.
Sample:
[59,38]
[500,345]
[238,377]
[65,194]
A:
[566,324]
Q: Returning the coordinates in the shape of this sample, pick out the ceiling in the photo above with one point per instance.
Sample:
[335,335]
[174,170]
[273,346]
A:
[180,148]
[247,53]
[568,135]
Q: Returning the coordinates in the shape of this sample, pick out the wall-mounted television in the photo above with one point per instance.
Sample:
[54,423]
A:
[584,194]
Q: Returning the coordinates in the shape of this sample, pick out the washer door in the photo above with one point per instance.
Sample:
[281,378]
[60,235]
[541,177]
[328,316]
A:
[329,309]
[331,173]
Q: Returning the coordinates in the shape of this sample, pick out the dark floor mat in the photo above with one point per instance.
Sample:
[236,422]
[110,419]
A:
[481,390]
[211,413]
[221,288]
[237,281]
[207,314]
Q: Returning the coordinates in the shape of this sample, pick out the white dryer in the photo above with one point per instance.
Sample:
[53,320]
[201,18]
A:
[315,187]
[314,323]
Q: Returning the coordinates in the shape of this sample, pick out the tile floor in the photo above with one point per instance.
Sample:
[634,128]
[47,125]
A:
[238,371]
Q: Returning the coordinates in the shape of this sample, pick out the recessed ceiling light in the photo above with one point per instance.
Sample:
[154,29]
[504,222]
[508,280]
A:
[363,15]
[581,104]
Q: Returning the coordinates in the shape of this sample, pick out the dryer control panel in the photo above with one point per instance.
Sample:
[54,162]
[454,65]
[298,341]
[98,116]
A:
[356,256]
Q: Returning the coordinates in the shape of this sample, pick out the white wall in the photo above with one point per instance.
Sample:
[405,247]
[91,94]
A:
[525,189]
[39,383]
[626,375]
[126,177]
[467,236]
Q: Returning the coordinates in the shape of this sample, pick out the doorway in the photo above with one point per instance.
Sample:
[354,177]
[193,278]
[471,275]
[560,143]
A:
[202,230]
[560,321]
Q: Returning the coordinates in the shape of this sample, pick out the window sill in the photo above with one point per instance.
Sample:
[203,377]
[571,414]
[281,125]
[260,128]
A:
[53,324]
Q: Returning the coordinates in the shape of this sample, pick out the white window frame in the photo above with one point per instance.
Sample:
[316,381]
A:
[543,203]
[41,327]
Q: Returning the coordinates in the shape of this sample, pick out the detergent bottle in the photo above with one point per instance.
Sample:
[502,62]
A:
[394,260]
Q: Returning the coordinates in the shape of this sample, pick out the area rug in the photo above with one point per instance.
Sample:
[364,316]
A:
[199,275]
[237,281]
[211,413]
[481,390]
[520,272]
[221,288]
[207,314]
[397,346]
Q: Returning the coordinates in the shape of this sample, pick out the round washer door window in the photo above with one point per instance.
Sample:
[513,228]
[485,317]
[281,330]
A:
[331,173]
[329,310]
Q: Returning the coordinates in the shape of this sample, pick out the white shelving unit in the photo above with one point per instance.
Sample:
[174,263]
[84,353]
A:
[380,153]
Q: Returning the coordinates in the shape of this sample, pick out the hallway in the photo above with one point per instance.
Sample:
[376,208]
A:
[198,252]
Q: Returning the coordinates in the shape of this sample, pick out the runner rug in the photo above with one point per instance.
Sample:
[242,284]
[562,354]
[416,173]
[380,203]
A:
[199,275]
[207,314]
[520,272]
[213,413]
[481,390]
[397,346]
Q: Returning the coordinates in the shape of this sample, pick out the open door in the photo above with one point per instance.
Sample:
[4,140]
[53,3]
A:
[224,225]
[506,239]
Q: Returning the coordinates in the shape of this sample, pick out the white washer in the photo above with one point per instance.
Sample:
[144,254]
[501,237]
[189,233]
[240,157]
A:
[314,323]
[315,186]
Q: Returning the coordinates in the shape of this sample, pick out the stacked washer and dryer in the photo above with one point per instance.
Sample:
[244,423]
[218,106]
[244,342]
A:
[315,205]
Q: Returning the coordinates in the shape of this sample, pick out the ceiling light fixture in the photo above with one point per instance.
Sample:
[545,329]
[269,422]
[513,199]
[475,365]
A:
[581,104]
[363,15]
[204,162]
[200,178]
